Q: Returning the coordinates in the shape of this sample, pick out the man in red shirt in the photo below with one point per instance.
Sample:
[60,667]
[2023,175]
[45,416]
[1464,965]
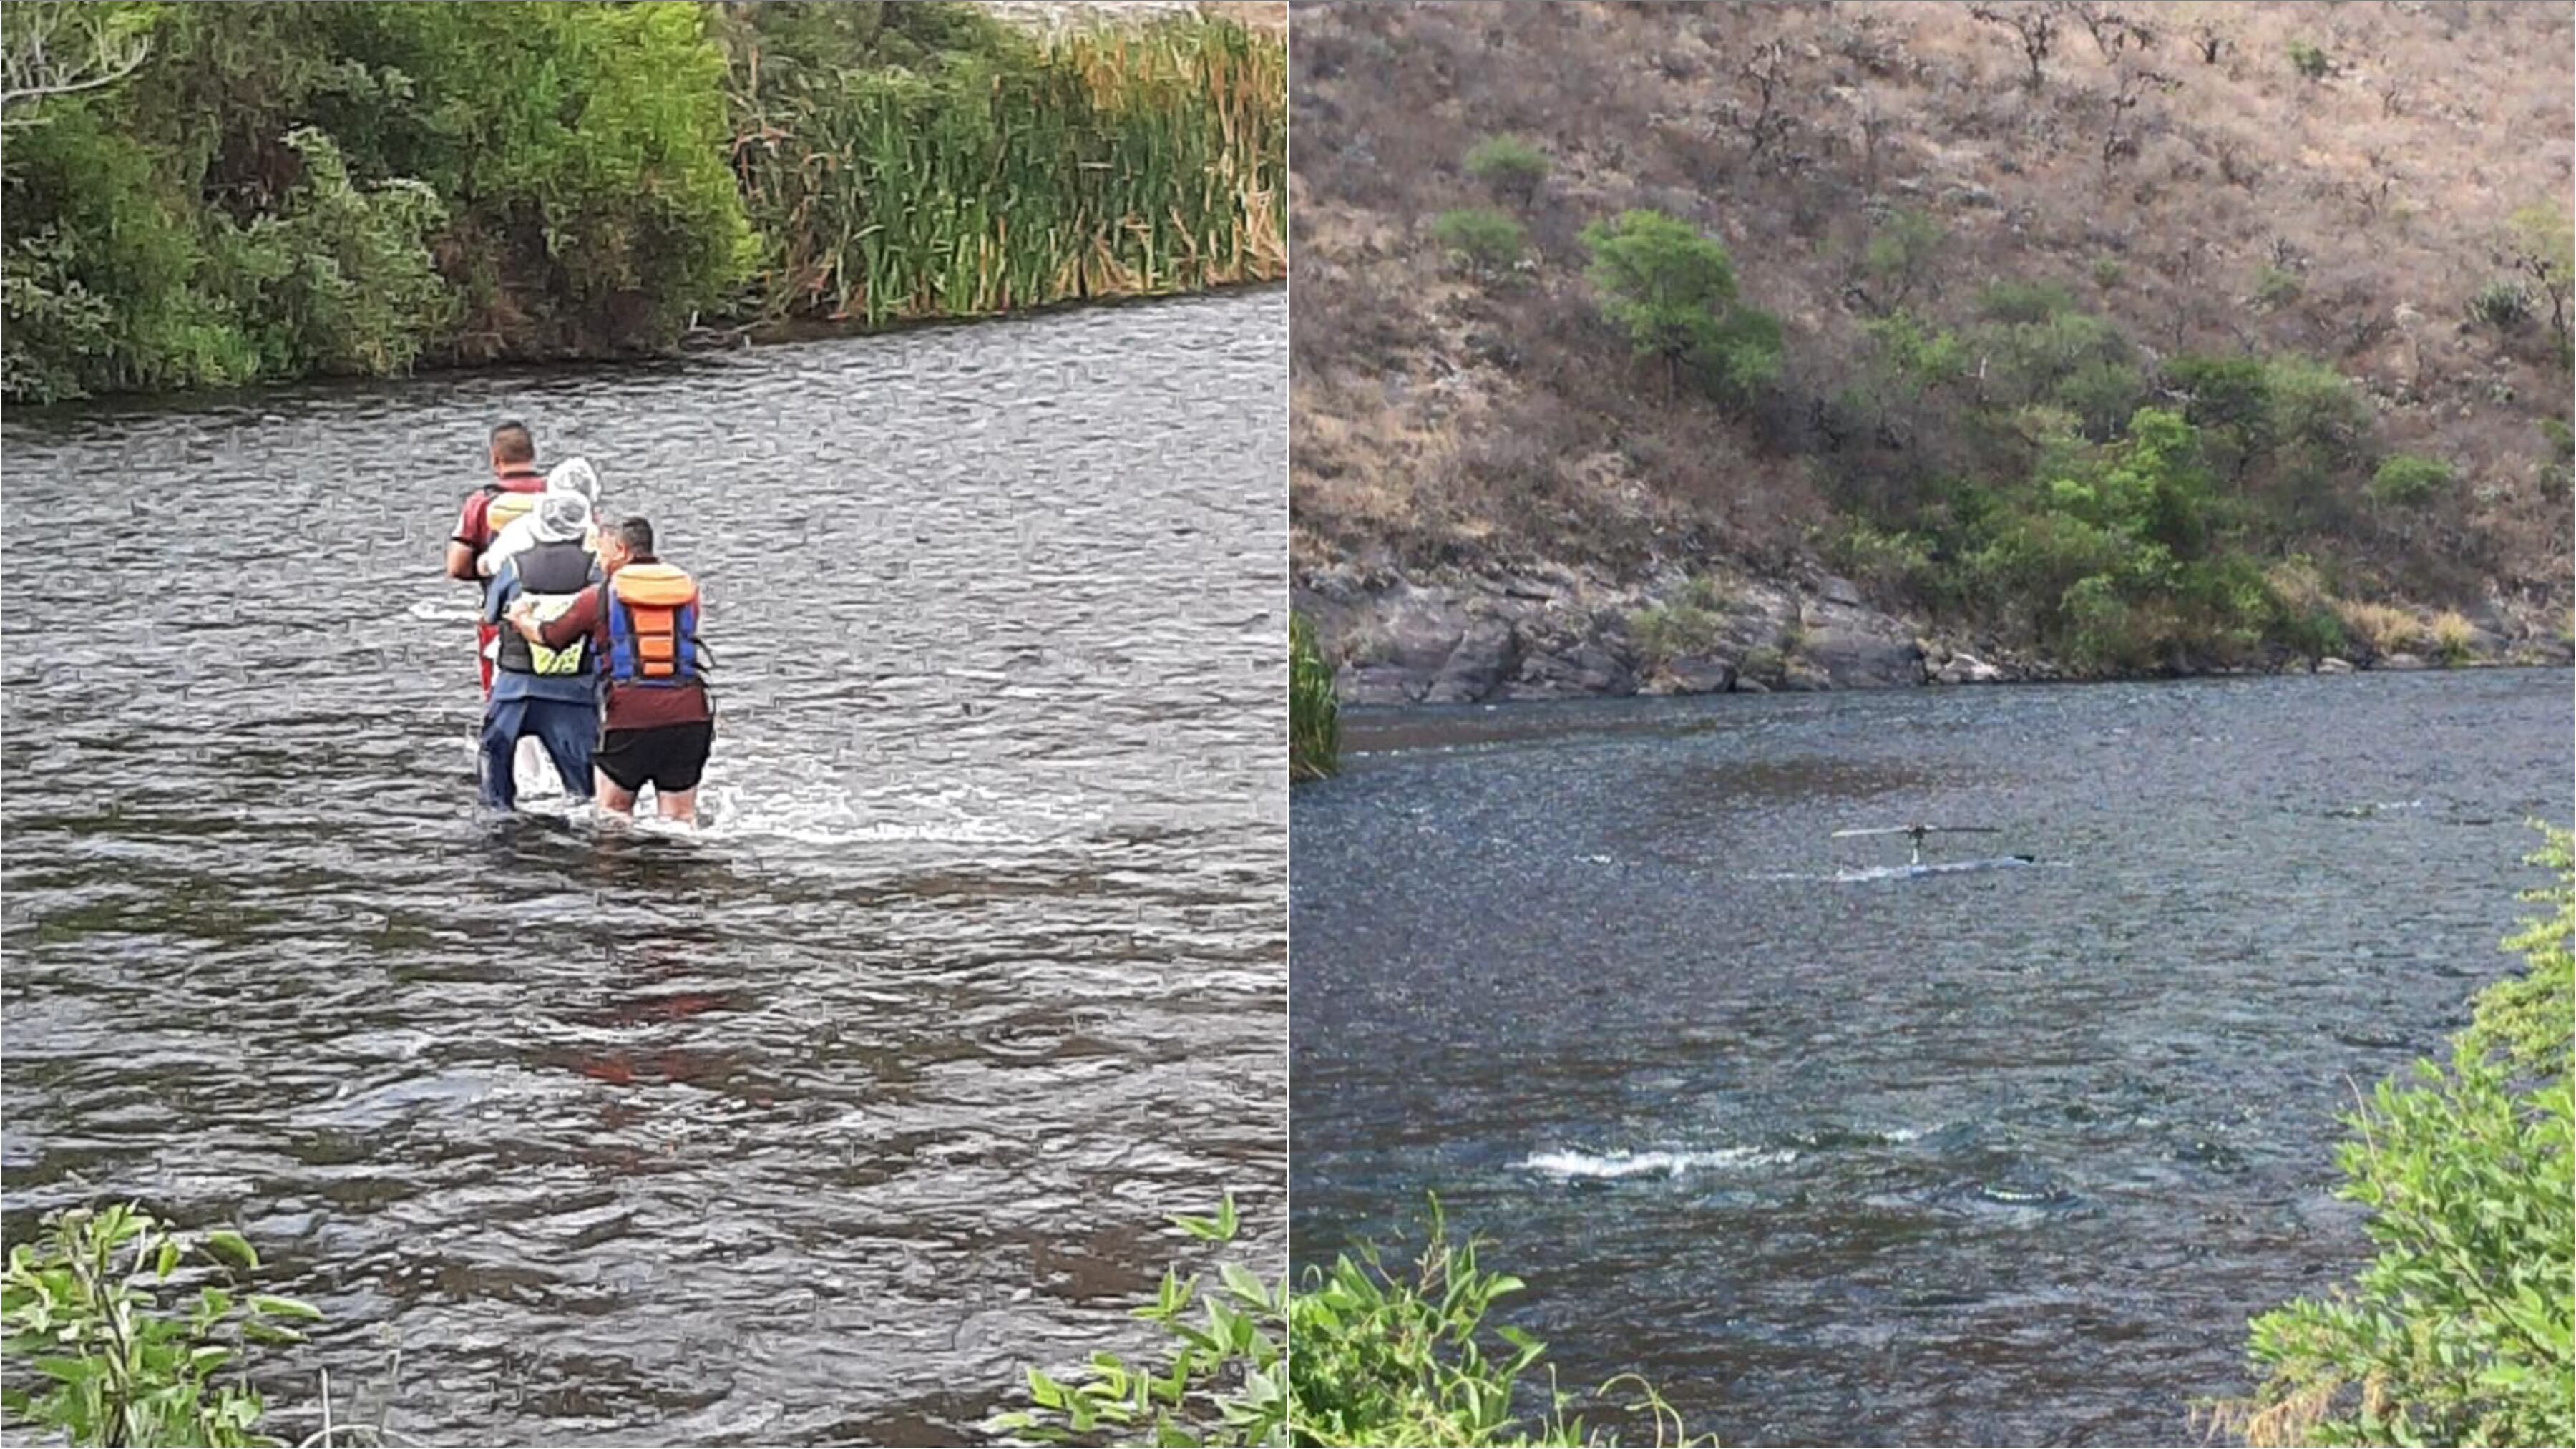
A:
[514,471]
[643,627]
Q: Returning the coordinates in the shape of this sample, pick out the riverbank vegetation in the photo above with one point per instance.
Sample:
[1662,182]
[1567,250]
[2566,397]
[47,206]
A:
[1314,722]
[2459,1330]
[1385,1352]
[2143,352]
[117,1351]
[270,191]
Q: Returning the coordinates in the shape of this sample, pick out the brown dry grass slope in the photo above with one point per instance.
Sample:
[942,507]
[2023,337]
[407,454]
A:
[2192,185]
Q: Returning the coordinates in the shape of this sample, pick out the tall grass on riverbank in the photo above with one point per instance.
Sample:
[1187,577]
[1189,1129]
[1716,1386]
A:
[1314,715]
[1109,163]
[2459,1330]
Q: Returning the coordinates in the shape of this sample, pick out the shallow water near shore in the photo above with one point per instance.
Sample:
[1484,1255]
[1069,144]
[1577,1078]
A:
[818,1125]
[1837,1153]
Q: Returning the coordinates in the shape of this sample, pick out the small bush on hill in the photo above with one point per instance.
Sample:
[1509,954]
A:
[1485,242]
[2406,481]
[2500,305]
[1511,167]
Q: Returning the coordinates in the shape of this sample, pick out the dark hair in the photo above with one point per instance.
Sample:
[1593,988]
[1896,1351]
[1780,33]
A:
[513,443]
[636,534]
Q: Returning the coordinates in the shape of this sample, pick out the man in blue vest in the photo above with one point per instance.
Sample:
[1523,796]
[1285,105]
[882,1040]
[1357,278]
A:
[551,694]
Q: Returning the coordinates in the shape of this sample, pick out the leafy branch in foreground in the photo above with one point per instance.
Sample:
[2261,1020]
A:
[84,1307]
[1365,1354]
[2459,1330]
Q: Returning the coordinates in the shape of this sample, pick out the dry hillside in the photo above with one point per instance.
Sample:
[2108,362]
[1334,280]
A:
[2170,165]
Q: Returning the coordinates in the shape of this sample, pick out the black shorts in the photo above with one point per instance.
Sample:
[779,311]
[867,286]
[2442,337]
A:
[671,757]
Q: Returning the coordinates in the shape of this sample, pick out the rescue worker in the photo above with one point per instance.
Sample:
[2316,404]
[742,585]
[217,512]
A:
[514,489]
[548,693]
[642,620]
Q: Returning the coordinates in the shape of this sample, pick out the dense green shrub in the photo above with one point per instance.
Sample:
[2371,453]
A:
[2459,1329]
[1692,624]
[2500,305]
[2309,61]
[1510,166]
[2406,481]
[1899,255]
[261,198]
[1486,242]
[2276,288]
[2013,301]
[1889,562]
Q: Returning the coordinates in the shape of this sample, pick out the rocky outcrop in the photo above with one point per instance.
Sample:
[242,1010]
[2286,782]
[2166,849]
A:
[1563,634]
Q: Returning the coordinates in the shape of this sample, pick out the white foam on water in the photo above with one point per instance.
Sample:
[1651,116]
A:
[446,611]
[830,818]
[1568,1164]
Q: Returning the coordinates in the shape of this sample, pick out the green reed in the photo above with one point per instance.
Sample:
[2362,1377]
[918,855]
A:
[1314,725]
[1107,164]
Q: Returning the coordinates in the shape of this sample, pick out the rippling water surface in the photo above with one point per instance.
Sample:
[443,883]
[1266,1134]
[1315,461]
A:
[1839,1154]
[818,1126]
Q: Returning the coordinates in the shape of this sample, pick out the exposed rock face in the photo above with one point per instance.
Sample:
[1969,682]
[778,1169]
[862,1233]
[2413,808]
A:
[1857,648]
[1556,634]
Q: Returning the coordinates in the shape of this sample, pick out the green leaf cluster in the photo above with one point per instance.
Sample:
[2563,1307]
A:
[121,1353]
[2459,1329]
[1385,1352]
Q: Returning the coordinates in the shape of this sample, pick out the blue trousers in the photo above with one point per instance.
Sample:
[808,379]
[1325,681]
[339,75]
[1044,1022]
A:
[566,729]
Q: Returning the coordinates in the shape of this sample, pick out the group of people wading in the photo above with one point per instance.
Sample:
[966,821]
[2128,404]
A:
[588,642]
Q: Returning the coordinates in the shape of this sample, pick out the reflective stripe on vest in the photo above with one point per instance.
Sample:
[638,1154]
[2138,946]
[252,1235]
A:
[506,509]
[551,578]
[652,625]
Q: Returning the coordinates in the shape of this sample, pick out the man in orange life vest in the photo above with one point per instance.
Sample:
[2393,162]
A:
[643,625]
[514,489]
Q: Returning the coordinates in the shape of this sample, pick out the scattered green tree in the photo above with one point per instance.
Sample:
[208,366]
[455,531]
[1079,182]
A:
[1486,243]
[2309,61]
[2540,241]
[1673,292]
[1510,167]
[1900,254]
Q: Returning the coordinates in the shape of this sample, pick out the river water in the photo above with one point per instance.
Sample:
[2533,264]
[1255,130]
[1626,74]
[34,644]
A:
[818,1126]
[1837,1155]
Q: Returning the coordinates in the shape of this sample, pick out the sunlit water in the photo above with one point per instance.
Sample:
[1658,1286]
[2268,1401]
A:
[818,1126]
[1838,1152]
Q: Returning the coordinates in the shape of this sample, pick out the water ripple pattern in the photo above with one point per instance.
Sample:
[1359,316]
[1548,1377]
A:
[816,1127]
[1836,1152]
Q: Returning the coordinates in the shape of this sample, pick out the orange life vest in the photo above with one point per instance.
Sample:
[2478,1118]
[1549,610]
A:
[652,625]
